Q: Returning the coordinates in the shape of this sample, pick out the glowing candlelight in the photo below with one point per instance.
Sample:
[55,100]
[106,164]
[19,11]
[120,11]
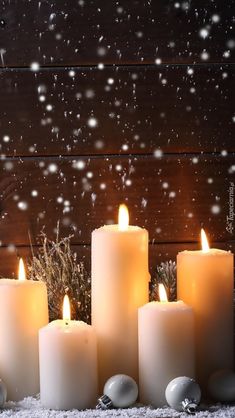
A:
[123,218]
[21,272]
[66,309]
[204,241]
[162,293]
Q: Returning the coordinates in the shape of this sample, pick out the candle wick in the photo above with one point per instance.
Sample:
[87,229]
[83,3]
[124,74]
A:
[66,322]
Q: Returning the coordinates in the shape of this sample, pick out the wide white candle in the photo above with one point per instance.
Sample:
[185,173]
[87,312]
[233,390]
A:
[205,281]
[166,347]
[68,364]
[23,311]
[120,281]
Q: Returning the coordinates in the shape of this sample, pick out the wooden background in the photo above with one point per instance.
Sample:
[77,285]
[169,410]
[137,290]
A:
[104,102]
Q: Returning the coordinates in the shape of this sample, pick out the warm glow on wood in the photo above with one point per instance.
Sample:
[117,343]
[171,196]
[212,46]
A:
[204,241]
[21,272]
[162,293]
[66,309]
[123,218]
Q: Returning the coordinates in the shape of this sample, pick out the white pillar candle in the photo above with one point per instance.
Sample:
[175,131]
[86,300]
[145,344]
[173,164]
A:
[166,347]
[120,281]
[205,281]
[68,364]
[23,311]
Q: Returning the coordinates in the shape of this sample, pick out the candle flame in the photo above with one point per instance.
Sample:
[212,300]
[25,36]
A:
[123,218]
[21,271]
[204,241]
[66,309]
[162,293]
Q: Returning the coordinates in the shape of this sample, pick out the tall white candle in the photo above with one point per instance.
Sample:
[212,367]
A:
[166,347]
[68,364]
[23,311]
[120,281]
[205,281]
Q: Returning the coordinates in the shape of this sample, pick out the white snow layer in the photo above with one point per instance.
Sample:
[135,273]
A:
[31,408]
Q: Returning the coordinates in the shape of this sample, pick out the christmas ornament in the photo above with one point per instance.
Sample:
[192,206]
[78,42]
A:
[3,393]
[221,386]
[165,274]
[120,391]
[183,394]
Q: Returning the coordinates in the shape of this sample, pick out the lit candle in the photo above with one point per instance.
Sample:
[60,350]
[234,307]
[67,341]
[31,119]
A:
[166,346]
[23,311]
[205,281]
[120,281]
[68,363]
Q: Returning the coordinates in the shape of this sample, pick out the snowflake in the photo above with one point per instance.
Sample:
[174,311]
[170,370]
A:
[34,66]
[224,153]
[110,81]
[71,73]
[158,153]
[92,122]
[204,55]
[52,168]
[158,61]
[49,107]
[215,209]
[204,33]
[22,205]
[42,98]
[190,71]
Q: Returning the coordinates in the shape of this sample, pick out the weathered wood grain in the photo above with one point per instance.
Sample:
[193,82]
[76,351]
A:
[172,196]
[94,31]
[117,111]
[158,253]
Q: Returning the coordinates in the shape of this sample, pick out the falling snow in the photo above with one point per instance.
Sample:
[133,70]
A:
[80,139]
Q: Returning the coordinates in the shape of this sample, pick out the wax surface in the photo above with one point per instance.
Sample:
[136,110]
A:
[23,311]
[120,281]
[205,282]
[166,348]
[68,365]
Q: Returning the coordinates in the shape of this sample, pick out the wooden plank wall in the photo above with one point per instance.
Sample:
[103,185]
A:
[109,101]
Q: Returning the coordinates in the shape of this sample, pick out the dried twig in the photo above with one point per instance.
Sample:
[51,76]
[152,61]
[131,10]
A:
[57,265]
[165,274]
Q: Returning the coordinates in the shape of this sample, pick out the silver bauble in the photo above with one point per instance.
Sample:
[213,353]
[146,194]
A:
[3,393]
[221,385]
[120,391]
[183,394]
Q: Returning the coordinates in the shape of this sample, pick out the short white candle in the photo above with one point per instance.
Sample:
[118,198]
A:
[120,283]
[68,364]
[166,347]
[205,281]
[23,311]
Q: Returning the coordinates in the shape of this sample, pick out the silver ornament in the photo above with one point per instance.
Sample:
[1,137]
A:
[3,393]
[183,394]
[221,386]
[120,391]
